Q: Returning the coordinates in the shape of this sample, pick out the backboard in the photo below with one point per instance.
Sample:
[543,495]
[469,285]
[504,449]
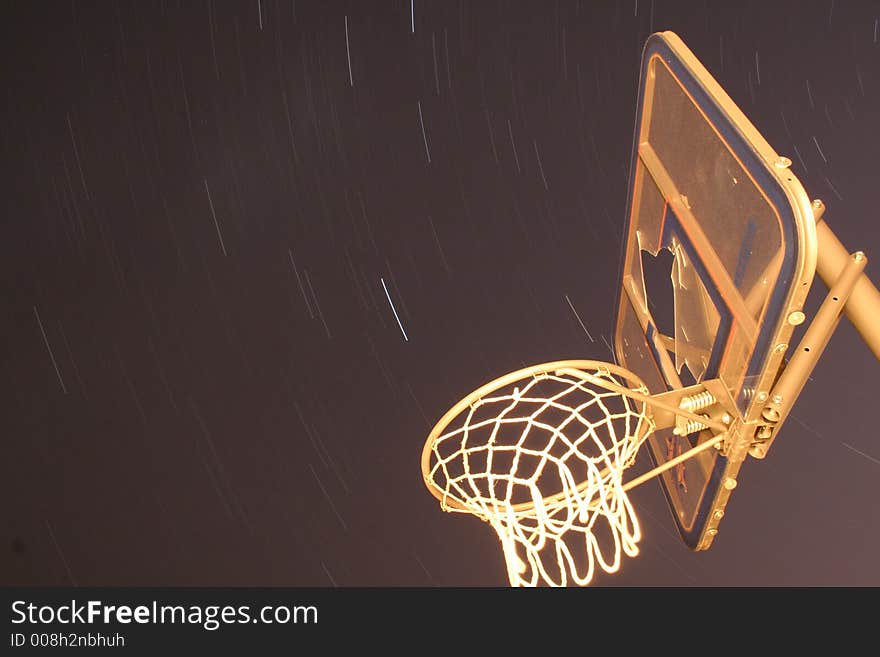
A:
[740,235]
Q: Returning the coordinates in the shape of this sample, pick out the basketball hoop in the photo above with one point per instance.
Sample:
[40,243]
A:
[540,455]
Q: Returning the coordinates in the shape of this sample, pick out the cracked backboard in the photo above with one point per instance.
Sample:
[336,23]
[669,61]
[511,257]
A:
[720,249]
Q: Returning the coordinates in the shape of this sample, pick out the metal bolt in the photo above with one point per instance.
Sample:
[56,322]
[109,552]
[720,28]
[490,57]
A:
[762,396]
[730,483]
[796,318]
[782,346]
[777,399]
[718,514]
[858,256]
[712,531]
[782,162]
[726,419]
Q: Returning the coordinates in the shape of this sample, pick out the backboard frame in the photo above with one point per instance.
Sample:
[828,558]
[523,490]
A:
[769,340]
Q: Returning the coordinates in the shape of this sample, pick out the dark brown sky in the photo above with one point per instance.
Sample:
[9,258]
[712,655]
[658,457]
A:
[203,381]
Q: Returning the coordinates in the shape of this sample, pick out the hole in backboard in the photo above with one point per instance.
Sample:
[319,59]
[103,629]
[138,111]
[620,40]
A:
[657,271]
[687,379]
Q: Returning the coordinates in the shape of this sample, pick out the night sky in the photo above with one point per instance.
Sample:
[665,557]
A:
[212,210]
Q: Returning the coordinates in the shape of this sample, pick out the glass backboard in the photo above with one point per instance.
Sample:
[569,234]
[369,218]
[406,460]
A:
[740,236]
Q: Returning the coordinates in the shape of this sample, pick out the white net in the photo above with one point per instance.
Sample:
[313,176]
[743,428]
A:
[542,461]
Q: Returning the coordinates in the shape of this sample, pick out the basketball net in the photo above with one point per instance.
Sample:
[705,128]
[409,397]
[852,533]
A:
[540,456]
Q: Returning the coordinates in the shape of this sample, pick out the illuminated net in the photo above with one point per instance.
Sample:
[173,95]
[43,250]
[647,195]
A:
[541,459]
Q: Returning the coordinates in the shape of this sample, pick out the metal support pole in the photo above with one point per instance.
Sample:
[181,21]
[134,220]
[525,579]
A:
[863,307]
[804,359]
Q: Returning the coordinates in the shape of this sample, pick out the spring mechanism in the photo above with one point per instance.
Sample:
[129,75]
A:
[691,426]
[697,402]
